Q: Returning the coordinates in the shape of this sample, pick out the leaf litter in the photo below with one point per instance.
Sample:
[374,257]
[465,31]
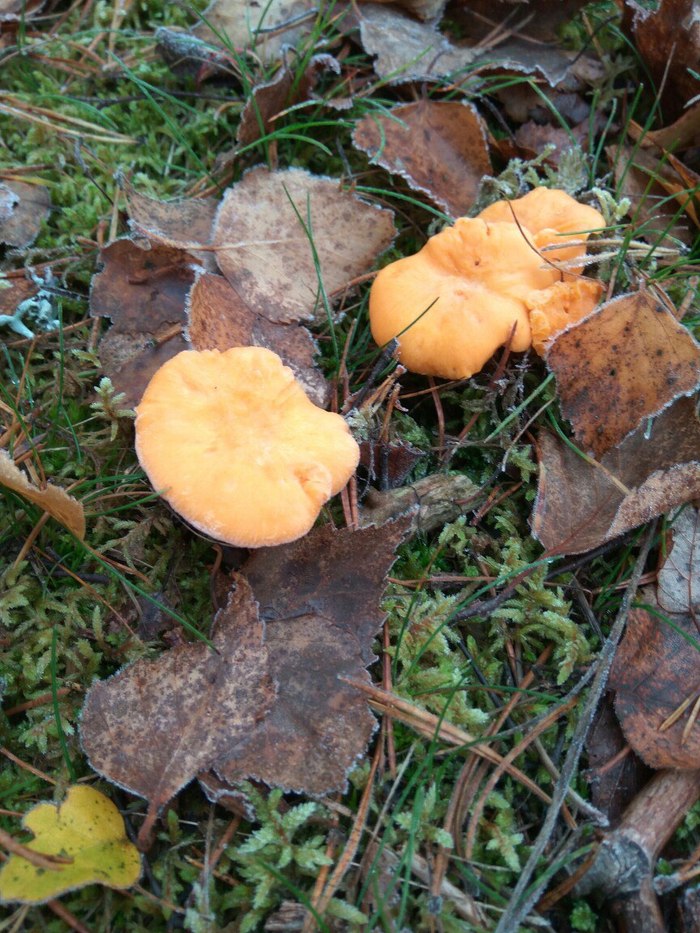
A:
[299,725]
[143,292]
[273,681]
[23,209]
[439,147]
[279,235]
[218,318]
[582,503]
[320,600]
[152,726]
[656,675]
[65,508]
[628,359]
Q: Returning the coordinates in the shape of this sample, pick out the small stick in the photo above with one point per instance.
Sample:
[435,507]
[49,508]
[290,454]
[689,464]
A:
[62,911]
[38,859]
[23,764]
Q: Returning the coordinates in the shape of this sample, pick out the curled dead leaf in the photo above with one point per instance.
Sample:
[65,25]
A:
[52,499]
[439,147]
[582,503]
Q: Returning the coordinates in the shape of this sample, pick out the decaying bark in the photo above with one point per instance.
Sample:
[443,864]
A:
[437,499]
[623,869]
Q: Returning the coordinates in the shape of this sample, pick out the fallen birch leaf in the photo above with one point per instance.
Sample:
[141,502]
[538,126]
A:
[52,499]
[656,674]
[264,232]
[287,88]
[498,40]
[668,40]
[623,363]
[219,318]
[263,28]
[581,503]
[143,292]
[24,208]
[87,828]
[180,224]
[152,726]
[320,599]
[440,148]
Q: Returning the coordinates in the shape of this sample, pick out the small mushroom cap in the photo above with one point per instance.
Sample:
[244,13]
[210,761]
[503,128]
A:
[554,309]
[235,446]
[552,216]
[452,304]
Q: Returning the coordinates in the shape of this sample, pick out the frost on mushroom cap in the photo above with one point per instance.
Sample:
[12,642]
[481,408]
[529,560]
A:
[452,304]
[235,446]
[552,216]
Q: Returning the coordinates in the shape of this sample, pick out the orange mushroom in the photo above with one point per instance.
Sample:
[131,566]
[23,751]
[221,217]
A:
[552,216]
[472,287]
[236,447]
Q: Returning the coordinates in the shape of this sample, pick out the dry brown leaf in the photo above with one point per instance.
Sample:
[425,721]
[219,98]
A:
[623,363]
[153,725]
[407,50]
[582,504]
[143,292]
[24,208]
[17,289]
[288,87]
[677,137]
[218,318]
[668,40]
[533,137]
[52,499]
[388,463]
[497,39]
[614,778]
[319,598]
[678,581]
[181,224]
[656,671]
[263,240]
[264,28]
[440,148]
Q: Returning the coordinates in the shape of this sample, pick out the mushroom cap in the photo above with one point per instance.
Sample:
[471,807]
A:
[552,216]
[236,447]
[555,308]
[452,304]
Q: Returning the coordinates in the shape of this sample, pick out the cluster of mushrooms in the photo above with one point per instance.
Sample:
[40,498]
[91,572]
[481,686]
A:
[245,456]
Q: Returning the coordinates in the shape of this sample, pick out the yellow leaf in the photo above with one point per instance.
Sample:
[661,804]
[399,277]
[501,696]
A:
[86,827]
[54,500]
